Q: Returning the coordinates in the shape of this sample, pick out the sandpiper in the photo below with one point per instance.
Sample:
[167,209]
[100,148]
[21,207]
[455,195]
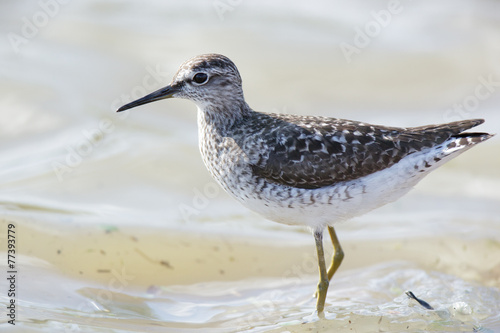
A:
[306,170]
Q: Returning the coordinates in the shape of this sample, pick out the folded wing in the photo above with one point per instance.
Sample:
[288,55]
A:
[313,152]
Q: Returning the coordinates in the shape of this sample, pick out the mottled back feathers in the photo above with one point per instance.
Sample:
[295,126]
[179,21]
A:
[313,152]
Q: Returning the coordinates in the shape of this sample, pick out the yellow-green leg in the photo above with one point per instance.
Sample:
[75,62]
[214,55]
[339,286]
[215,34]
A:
[338,253]
[323,276]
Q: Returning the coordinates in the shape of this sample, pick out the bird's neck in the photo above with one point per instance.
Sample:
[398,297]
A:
[221,118]
[215,126]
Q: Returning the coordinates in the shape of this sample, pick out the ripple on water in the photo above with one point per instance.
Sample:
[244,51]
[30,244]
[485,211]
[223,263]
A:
[362,299]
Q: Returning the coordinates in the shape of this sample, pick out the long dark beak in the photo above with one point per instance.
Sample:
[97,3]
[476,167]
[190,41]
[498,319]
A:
[163,93]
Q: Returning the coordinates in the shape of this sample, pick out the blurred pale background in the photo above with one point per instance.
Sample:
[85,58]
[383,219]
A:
[120,227]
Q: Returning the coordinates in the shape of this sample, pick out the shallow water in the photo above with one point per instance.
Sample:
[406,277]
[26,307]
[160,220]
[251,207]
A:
[120,228]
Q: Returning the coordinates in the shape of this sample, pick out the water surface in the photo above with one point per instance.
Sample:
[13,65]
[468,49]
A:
[121,229]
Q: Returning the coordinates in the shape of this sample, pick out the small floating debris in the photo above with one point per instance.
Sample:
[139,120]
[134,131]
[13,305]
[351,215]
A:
[421,302]
[109,228]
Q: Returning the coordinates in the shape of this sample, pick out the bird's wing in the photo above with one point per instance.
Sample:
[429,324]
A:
[313,152]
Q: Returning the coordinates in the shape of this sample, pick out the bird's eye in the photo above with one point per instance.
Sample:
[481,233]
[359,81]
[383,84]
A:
[200,78]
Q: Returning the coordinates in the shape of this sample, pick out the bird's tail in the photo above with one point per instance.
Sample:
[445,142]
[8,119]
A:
[464,141]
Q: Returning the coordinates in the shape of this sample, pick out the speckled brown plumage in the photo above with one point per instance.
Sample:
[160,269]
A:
[312,152]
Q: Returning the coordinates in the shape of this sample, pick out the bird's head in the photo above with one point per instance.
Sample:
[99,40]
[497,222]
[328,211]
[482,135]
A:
[207,79]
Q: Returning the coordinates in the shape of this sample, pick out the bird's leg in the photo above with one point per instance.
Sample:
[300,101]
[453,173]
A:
[323,276]
[338,253]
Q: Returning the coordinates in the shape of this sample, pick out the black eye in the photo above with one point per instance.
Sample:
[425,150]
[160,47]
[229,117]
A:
[200,78]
